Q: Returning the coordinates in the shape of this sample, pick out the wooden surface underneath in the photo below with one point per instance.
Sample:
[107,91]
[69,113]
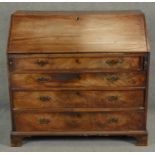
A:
[63,32]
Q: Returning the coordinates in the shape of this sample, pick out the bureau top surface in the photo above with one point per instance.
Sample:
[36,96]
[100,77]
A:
[73,32]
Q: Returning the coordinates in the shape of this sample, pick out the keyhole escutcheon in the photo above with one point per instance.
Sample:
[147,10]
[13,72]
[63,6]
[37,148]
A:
[77,18]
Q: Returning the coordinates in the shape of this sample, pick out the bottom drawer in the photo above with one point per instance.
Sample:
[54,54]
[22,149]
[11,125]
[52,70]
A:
[79,121]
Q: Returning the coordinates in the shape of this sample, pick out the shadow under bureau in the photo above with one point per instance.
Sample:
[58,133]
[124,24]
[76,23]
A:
[78,73]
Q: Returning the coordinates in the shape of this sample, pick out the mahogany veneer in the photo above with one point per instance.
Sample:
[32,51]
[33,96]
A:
[78,73]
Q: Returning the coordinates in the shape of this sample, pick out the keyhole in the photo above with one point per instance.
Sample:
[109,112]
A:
[77,61]
[77,18]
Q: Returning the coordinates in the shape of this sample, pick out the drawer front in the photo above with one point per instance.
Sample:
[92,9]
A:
[78,99]
[79,121]
[47,81]
[48,63]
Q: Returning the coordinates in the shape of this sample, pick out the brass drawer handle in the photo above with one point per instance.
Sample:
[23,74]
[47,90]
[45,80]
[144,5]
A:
[114,62]
[44,98]
[112,98]
[112,78]
[43,79]
[41,63]
[43,121]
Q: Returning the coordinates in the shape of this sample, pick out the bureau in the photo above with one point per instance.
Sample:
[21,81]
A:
[78,73]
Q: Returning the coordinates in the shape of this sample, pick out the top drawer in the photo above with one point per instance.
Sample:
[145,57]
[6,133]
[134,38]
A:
[76,62]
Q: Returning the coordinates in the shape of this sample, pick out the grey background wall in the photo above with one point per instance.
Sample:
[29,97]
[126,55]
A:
[7,8]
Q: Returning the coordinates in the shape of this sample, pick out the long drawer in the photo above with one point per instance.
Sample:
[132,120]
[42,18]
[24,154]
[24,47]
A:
[49,62]
[100,79]
[78,99]
[79,121]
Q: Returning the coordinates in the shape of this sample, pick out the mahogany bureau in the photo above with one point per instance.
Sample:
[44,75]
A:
[78,73]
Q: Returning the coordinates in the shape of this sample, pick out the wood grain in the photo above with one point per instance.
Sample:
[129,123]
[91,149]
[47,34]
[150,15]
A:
[77,99]
[47,81]
[49,63]
[77,121]
[77,32]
